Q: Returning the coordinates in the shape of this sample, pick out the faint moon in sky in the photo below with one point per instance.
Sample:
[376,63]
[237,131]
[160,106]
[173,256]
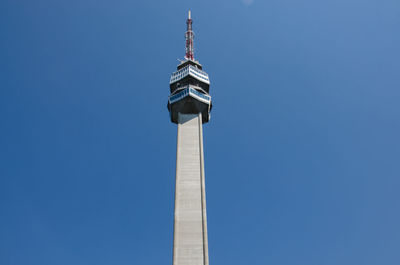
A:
[247,2]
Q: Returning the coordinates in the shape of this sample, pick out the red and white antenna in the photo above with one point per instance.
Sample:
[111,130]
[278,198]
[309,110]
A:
[189,35]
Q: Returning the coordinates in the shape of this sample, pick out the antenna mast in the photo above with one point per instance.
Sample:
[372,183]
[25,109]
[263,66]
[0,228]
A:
[189,36]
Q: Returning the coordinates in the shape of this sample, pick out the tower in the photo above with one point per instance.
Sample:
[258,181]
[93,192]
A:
[189,105]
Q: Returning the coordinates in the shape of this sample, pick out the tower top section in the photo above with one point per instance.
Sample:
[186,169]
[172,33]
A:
[189,85]
[189,36]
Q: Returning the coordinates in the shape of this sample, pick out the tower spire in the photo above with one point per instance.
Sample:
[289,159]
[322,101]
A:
[189,36]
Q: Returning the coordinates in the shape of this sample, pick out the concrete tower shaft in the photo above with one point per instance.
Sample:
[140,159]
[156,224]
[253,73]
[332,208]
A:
[190,221]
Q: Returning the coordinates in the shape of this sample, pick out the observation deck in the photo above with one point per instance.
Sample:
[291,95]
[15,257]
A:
[189,87]
[189,74]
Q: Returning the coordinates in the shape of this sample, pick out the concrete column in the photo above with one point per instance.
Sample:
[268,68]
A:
[190,221]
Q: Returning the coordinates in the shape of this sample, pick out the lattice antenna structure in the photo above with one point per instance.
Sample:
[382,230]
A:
[189,36]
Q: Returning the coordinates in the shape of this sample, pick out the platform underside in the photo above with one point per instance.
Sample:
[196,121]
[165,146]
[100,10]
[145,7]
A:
[189,105]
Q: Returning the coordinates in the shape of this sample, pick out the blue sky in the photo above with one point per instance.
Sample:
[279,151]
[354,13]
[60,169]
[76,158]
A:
[302,152]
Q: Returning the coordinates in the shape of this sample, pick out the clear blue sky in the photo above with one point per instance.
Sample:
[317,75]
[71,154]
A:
[302,152]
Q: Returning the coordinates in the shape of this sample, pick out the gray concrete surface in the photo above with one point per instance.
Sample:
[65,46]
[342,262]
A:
[190,221]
